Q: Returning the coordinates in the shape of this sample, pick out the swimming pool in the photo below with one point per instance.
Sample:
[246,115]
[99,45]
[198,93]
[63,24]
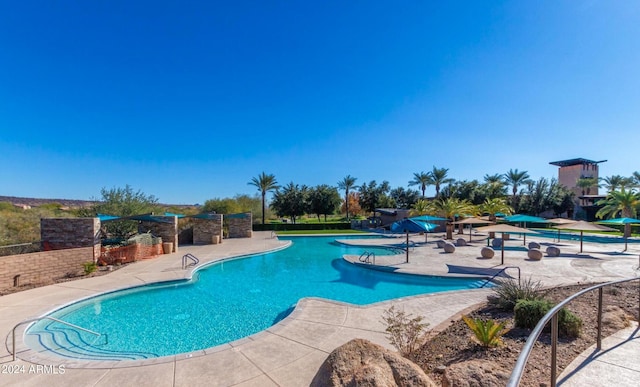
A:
[225,301]
[586,237]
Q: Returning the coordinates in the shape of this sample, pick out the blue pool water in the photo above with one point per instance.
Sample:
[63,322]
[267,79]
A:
[225,302]
[586,237]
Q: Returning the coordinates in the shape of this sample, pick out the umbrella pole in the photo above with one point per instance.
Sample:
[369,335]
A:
[470,229]
[407,246]
[581,232]
[502,261]
[524,236]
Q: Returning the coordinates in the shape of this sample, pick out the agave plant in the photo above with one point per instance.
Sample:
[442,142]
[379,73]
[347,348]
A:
[487,332]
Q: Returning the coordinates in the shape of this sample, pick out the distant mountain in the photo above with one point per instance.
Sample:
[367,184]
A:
[34,202]
[71,203]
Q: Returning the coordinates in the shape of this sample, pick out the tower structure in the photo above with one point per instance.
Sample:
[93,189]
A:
[570,172]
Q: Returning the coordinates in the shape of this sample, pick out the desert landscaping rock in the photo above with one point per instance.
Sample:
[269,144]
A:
[363,363]
[534,245]
[487,252]
[534,254]
[449,247]
[553,251]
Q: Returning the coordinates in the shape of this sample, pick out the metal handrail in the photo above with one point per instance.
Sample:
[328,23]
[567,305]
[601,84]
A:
[518,369]
[367,255]
[191,257]
[13,331]
[502,271]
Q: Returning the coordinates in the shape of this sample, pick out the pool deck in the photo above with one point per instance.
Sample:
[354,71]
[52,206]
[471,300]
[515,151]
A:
[290,353]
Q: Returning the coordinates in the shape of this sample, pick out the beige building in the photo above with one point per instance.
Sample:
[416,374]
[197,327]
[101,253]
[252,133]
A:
[568,174]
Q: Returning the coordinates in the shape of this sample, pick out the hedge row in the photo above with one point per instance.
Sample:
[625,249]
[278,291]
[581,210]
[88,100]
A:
[302,226]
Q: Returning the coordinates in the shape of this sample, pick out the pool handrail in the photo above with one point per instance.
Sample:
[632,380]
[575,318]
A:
[190,256]
[552,315]
[502,271]
[13,331]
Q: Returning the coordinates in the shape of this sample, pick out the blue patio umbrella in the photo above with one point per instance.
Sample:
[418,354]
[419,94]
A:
[427,218]
[623,221]
[409,225]
[523,218]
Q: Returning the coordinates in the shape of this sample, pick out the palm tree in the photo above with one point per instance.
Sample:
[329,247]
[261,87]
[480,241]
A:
[617,182]
[421,207]
[439,177]
[586,183]
[449,208]
[264,183]
[515,179]
[636,178]
[623,203]
[423,179]
[347,183]
[493,179]
[494,206]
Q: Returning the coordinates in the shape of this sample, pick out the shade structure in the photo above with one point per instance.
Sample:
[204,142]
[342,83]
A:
[505,229]
[523,218]
[583,226]
[622,221]
[427,218]
[471,222]
[560,221]
[410,225]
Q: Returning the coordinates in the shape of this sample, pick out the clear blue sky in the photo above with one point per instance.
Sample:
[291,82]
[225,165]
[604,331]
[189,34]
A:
[187,101]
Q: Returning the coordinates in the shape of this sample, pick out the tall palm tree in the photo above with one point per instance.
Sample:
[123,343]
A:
[493,179]
[423,179]
[624,203]
[617,182]
[439,177]
[264,183]
[515,179]
[347,183]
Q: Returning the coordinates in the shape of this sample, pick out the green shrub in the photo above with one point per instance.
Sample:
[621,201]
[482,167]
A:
[510,291]
[487,332]
[527,313]
[405,333]
[569,325]
[89,267]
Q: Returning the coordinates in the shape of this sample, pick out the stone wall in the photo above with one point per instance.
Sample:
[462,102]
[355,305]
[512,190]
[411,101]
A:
[43,267]
[240,225]
[207,231]
[168,230]
[68,233]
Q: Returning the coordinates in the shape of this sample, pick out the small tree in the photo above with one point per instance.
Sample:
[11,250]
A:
[323,200]
[291,201]
[124,202]
[407,334]
[352,205]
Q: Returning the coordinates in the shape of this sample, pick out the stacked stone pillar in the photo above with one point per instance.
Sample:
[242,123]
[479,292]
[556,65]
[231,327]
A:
[207,230]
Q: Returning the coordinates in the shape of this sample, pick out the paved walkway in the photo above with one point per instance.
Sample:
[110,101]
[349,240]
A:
[289,353]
